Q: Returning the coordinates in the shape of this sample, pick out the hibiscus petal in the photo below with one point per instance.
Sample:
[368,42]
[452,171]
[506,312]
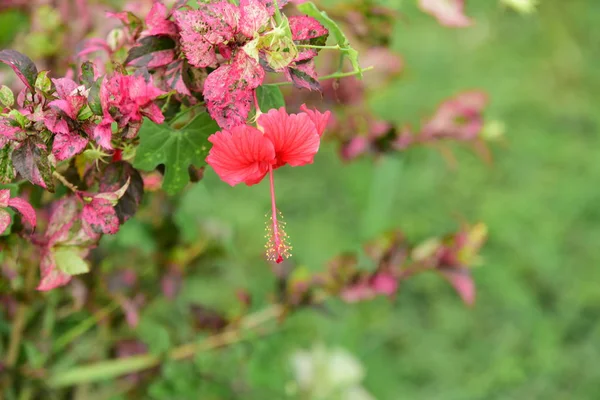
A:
[294,136]
[319,119]
[240,155]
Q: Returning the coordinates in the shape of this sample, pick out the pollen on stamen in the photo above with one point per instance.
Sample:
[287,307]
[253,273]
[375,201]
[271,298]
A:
[278,246]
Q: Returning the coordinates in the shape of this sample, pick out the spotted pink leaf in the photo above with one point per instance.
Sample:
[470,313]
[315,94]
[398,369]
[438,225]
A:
[4,221]
[253,16]
[306,28]
[449,13]
[67,146]
[23,207]
[4,197]
[304,76]
[22,65]
[157,21]
[99,216]
[228,90]
[203,29]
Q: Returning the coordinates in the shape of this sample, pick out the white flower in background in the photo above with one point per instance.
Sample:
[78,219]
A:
[521,6]
[328,374]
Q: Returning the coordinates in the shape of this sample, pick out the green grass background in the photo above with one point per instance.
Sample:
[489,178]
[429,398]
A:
[534,332]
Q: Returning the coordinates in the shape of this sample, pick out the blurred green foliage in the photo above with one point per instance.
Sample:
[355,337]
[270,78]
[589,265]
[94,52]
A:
[534,332]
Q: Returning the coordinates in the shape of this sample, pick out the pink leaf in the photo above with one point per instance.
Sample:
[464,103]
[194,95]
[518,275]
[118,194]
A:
[228,90]
[253,16]
[99,216]
[384,283]
[306,28]
[7,130]
[4,197]
[64,213]
[67,146]
[462,282]
[201,30]
[158,23]
[52,277]
[459,118]
[25,209]
[4,221]
[449,13]
[22,65]
[304,76]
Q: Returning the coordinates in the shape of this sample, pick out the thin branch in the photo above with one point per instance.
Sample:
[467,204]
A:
[332,76]
[110,369]
[64,181]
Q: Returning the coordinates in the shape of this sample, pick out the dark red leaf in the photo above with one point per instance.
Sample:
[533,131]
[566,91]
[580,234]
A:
[22,65]
[30,160]
[152,52]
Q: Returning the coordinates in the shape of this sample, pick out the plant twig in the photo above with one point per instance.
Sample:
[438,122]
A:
[64,181]
[332,76]
[111,369]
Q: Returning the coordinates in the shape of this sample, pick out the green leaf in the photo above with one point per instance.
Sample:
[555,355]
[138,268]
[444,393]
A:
[177,149]
[69,261]
[7,98]
[269,96]
[311,10]
[7,172]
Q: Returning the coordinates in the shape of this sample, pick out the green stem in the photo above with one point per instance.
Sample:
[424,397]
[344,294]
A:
[114,368]
[82,327]
[332,76]
[311,46]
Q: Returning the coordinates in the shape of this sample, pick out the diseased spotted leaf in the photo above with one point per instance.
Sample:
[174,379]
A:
[22,65]
[157,21]
[203,29]
[7,172]
[304,76]
[63,215]
[114,177]
[253,16]
[152,52]
[69,261]
[7,98]
[269,96]
[310,9]
[4,221]
[67,146]
[25,209]
[30,160]
[228,90]
[308,29]
[175,149]
[449,13]
[99,216]
[277,48]
[174,77]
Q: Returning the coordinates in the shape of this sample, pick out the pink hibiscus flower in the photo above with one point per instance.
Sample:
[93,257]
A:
[246,154]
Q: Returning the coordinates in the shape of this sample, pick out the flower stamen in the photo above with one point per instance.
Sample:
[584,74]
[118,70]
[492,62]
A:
[277,247]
